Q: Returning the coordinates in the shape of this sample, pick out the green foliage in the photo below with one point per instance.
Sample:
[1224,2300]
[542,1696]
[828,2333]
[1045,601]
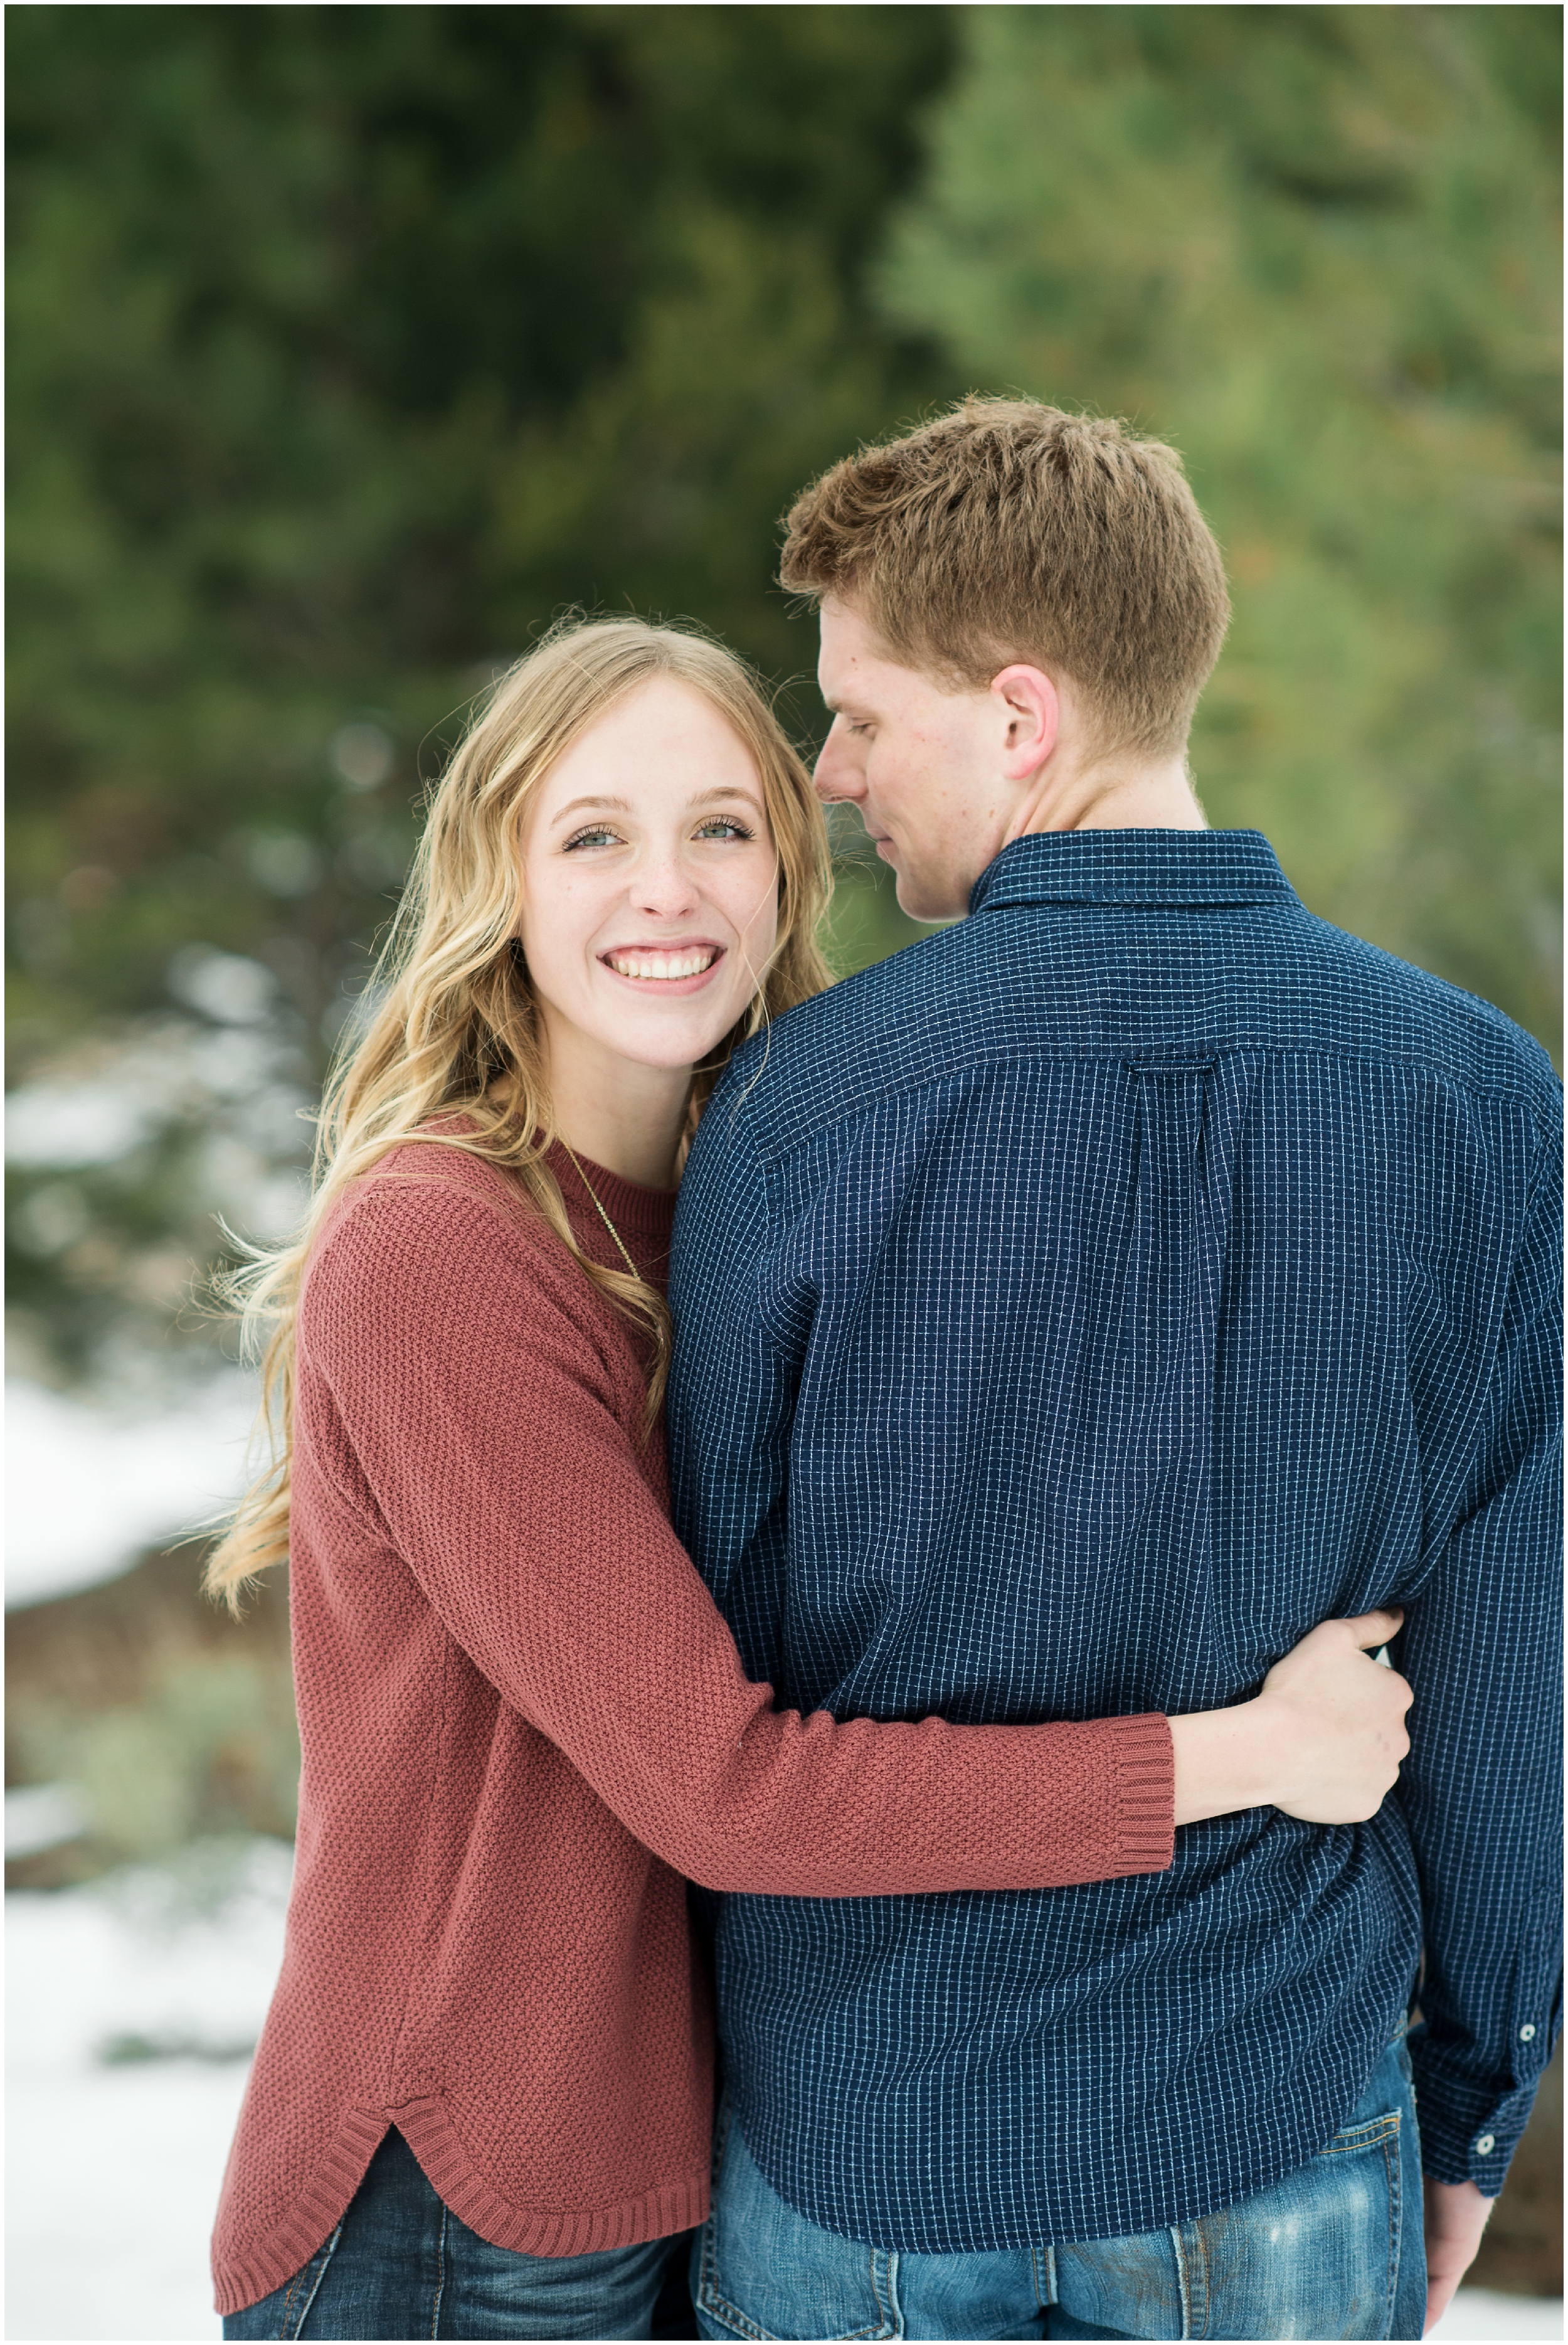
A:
[208,1749]
[1316,249]
[348,344]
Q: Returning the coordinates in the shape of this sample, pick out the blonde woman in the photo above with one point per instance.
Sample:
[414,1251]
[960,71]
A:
[480,2106]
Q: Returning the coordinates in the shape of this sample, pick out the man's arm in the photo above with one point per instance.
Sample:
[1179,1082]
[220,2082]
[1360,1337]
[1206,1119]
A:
[1480,1788]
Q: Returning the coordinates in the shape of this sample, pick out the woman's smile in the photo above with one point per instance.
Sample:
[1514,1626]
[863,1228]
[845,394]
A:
[669,968]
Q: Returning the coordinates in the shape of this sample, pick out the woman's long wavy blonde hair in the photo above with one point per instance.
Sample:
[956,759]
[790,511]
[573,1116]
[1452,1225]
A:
[454,1031]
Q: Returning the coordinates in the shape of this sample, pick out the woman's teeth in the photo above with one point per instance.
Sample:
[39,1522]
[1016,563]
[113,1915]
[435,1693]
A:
[665,966]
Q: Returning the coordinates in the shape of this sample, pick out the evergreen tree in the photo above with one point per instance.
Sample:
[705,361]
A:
[1316,249]
[349,344]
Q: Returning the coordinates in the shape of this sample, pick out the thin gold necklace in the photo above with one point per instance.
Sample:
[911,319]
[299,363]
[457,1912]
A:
[602,1214]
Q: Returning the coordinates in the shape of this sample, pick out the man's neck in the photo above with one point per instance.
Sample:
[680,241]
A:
[1116,795]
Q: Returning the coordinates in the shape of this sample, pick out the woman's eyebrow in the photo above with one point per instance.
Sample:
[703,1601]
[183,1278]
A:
[623,805]
[575,806]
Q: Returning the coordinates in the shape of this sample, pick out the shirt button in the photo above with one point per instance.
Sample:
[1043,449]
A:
[1527,2034]
[1486,2145]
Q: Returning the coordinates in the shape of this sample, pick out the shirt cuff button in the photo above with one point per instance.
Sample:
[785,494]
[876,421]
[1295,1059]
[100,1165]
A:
[1527,2034]
[1486,2145]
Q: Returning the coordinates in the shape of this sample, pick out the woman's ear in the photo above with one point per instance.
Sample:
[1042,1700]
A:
[1028,712]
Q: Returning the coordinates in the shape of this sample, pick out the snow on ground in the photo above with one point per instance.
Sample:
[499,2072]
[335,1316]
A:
[113,2166]
[1482,2312]
[90,1485]
[89,1489]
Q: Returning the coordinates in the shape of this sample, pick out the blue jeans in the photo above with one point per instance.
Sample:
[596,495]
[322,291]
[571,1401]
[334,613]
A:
[399,2264]
[1334,2250]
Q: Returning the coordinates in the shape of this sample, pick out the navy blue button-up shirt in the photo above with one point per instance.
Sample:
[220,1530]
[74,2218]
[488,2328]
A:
[1071,1311]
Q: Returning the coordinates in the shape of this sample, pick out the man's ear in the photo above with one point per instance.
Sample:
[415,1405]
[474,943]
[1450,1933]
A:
[1029,708]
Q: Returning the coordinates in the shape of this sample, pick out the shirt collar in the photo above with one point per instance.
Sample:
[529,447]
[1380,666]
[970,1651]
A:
[1133,867]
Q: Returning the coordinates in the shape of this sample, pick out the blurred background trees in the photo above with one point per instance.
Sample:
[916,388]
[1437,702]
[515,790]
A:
[349,345]
[1319,249]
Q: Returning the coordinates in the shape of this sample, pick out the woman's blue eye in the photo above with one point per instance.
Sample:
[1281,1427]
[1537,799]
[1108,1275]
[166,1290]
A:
[601,834]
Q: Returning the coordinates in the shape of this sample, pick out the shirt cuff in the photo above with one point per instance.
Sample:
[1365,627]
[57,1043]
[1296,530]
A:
[1467,2134]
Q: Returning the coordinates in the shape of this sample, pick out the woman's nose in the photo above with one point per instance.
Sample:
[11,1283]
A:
[666,885]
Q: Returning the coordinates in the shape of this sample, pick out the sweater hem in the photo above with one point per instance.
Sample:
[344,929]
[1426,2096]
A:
[428,2128]
[244,2274]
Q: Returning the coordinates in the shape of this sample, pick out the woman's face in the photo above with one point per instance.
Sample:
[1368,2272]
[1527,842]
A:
[650,882]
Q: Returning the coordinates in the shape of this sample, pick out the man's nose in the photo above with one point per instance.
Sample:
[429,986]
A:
[837,775]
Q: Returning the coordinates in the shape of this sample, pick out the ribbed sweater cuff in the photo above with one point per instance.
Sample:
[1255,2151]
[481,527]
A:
[1143,1757]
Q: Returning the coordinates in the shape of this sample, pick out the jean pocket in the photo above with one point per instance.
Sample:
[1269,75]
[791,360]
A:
[1318,2255]
[763,2270]
[1315,2255]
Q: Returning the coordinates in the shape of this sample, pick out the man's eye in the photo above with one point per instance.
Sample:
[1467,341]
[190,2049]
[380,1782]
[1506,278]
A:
[598,833]
[721,827]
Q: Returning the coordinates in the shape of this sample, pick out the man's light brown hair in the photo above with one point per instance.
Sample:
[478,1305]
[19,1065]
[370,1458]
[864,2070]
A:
[1006,530]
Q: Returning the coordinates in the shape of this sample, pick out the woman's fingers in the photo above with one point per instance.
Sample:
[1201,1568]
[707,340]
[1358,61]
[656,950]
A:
[1338,1720]
[1370,1629]
[1323,1740]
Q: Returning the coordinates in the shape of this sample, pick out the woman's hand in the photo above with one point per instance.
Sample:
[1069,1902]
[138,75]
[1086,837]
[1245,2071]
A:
[1322,1740]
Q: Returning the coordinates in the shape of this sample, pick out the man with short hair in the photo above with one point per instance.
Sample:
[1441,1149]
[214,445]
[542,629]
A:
[1071,1311]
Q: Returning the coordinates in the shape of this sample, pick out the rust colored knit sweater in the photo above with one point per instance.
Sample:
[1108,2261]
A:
[522,1720]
